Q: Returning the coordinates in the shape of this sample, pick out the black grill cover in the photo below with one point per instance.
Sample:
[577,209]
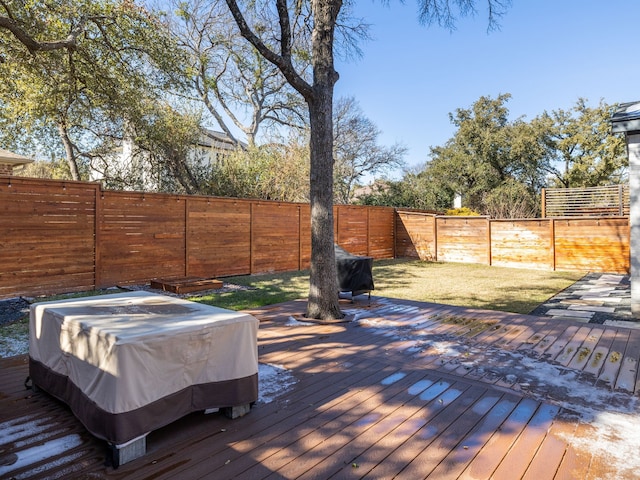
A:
[354,272]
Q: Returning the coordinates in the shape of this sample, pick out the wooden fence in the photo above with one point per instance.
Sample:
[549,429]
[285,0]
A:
[610,200]
[598,244]
[58,236]
[72,236]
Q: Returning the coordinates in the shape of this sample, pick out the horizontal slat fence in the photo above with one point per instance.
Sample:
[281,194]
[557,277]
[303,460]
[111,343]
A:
[608,200]
[522,244]
[71,236]
[462,239]
[599,244]
[60,236]
[596,244]
[140,237]
[46,236]
[215,226]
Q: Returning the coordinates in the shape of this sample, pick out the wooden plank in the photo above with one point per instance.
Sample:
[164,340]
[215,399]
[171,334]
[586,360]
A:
[516,462]
[599,356]
[572,348]
[415,235]
[491,454]
[585,351]
[613,363]
[627,378]
[186,285]
[520,244]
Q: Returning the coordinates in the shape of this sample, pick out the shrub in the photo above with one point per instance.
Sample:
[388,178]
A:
[462,212]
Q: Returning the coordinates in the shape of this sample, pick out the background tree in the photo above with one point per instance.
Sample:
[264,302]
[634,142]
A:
[580,148]
[499,165]
[113,56]
[356,149]
[478,158]
[236,84]
[414,190]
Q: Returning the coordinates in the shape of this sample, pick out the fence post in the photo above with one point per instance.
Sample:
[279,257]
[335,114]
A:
[97,262]
[186,236]
[552,242]
[620,201]
[435,238]
[395,232]
[251,240]
[489,257]
[368,231]
[299,239]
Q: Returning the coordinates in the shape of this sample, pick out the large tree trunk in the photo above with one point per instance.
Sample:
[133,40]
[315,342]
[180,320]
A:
[323,282]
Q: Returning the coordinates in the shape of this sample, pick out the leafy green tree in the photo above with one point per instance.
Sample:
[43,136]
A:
[512,199]
[55,169]
[477,158]
[497,165]
[106,58]
[580,148]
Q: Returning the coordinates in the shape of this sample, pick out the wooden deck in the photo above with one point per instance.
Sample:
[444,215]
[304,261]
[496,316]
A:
[405,390]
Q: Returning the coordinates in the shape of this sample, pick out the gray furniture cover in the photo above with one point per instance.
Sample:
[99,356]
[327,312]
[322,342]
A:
[133,362]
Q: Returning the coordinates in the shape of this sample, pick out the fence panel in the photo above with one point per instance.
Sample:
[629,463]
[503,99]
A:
[415,235]
[522,244]
[351,231]
[275,243]
[218,237]
[609,200]
[46,236]
[593,244]
[381,232]
[463,239]
[142,236]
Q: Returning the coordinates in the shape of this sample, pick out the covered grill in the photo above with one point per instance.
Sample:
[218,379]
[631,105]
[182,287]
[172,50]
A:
[354,272]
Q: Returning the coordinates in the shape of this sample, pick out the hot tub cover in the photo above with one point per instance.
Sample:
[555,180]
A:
[354,272]
[132,362]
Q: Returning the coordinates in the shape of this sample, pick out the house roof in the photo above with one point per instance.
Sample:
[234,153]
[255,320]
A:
[626,118]
[218,140]
[13,158]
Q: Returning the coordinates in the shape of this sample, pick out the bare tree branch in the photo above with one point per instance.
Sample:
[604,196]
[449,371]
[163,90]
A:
[283,60]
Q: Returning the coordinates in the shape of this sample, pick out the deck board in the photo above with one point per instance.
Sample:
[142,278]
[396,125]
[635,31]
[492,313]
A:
[407,390]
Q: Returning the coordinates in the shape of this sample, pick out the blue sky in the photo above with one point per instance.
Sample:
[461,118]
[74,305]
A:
[547,54]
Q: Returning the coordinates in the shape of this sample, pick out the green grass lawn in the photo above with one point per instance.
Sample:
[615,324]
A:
[469,285]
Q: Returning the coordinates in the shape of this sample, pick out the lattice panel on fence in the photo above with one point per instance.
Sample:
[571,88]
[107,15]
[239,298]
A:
[611,200]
